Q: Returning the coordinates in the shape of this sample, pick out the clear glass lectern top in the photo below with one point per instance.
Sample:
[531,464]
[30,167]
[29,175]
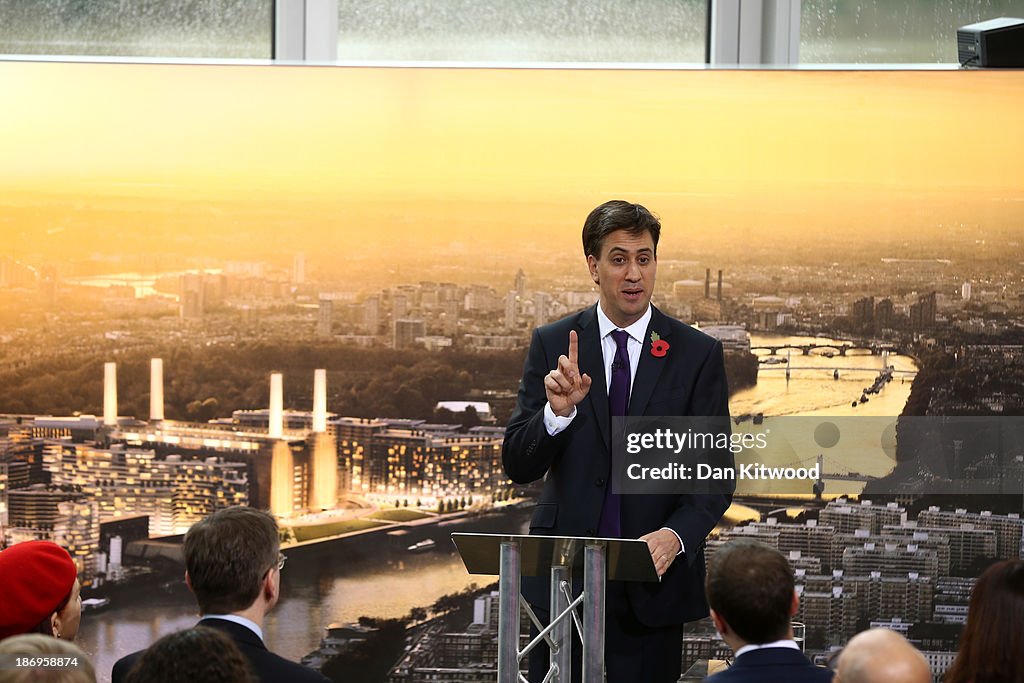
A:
[627,559]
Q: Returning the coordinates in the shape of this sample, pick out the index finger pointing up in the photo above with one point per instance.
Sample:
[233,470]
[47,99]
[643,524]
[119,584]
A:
[574,346]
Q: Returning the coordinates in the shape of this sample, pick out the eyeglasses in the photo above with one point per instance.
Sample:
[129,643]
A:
[281,559]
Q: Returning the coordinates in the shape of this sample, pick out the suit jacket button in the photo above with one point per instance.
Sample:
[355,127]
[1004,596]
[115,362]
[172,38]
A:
[600,481]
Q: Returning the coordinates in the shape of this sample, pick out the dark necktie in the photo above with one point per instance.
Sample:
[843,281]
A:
[610,525]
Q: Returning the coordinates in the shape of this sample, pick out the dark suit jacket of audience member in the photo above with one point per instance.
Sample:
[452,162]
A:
[772,665]
[268,667]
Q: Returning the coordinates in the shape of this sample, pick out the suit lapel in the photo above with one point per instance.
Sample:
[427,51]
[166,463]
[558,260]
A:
[649,368]
[592,362]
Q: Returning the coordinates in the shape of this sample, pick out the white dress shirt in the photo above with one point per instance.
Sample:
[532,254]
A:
[778,643]
[242,621]
[634,345]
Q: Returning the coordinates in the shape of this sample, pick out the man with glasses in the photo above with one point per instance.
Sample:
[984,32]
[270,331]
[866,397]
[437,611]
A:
[233,566]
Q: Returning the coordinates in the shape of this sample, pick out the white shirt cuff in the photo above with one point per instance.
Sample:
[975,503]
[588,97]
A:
[682,548]
[555,423]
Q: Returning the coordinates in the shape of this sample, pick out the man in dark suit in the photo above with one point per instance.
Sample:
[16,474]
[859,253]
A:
[751,591]
[621,357]
[233,566]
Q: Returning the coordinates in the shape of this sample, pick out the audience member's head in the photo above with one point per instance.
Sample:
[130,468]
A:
[195,654]
[750,590]
[881,656]
[992,644]
[40,588]
[232,561]
[39,645]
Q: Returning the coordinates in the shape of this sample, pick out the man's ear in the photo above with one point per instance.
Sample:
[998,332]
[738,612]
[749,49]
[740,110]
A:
[271,588]
[794,606]
[720,624]
[188,581]
[55,625]
[592,265]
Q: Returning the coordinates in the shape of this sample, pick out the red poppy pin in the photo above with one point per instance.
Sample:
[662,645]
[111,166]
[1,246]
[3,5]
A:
[659,347]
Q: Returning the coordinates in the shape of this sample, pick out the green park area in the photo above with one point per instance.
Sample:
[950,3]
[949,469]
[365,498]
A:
[311,532]
[398,515]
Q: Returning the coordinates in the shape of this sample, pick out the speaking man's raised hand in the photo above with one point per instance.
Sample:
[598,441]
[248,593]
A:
[566,386]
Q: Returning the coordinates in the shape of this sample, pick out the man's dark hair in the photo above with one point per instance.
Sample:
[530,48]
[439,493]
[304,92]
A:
[227,555]
[617,215]
[195,654]
[750,585]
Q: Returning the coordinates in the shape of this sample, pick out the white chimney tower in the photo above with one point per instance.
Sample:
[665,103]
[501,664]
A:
[320,401]
[156,389]
[276,427]
[110,394]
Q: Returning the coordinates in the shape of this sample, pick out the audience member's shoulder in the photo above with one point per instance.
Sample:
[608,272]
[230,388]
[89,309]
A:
[796,673]
[820,674]
[123,666]
[816,675]
[274,665]
[267,666]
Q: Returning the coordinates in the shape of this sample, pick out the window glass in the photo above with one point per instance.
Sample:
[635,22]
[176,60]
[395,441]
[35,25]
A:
[235,29]
[882,31]
[522,31]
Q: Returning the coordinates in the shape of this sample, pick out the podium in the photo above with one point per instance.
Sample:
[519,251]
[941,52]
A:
[511,557]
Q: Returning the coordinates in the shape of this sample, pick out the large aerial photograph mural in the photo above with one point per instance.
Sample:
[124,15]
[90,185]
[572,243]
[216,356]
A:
[311,290]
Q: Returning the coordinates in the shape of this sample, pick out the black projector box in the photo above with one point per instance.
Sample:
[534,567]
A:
[993,43]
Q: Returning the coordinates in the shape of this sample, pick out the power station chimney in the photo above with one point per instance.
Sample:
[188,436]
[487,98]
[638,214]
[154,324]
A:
[276,427]
[110,394]
[156,389]
[707,283]
[320,401]
[719,285]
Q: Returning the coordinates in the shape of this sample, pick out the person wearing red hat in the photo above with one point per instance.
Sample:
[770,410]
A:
[41,591]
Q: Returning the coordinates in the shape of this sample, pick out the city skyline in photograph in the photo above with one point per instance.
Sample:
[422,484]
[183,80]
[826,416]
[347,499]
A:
[388,239]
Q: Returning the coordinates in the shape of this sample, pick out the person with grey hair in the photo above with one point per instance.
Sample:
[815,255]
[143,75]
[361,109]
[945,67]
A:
[76,668]
[233,566]
[879,655]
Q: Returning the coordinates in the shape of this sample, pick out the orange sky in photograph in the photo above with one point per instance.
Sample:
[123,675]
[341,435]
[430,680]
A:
[91,132]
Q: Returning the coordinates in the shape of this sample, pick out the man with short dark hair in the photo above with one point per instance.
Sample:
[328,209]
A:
[751,592]
[233,566]
[621,357]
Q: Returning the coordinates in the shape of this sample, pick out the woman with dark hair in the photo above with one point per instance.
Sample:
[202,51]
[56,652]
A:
[992,645]
[195,654]
[40,591]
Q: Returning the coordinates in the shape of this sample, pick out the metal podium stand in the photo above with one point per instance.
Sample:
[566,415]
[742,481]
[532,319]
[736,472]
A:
[512,557]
